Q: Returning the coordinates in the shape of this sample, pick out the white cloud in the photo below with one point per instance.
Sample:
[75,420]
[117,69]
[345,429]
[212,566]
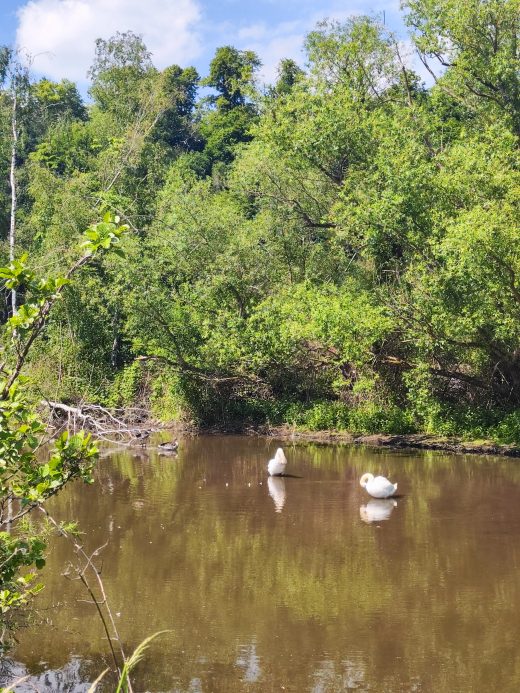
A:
[272,43]
[60,34]
[289,46]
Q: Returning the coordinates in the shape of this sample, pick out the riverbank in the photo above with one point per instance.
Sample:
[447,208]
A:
[411,440]
[421,441]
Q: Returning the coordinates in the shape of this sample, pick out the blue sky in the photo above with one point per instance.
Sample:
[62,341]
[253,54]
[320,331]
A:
[60,34]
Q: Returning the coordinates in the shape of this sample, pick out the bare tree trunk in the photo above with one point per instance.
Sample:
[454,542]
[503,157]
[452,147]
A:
[12,238]
[12,180]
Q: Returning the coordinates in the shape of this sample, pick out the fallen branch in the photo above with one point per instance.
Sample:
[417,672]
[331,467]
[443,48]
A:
[113,425]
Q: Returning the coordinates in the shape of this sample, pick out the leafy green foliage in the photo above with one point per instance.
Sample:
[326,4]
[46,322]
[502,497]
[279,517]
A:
[478,42]
[338,251]
[121,65]
[231,73]
[59,101]
[28,478]
[104,235]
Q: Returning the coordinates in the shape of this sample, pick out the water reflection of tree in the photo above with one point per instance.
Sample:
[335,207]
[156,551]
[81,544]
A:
[317,594]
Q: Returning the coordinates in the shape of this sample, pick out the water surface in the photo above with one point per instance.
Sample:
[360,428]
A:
[297,584]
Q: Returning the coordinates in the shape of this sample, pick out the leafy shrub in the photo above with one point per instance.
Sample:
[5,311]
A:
[126,385]
[508,430]
[372,418]
[339,416]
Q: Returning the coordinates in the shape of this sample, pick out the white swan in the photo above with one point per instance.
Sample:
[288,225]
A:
[276,486]
[377,510]
[378,487]
[276,466]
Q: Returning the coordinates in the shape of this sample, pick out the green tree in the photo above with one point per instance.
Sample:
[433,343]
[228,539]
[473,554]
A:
[477,44]
[288,74]
[119,75]
[231,73]
[59,101]
[175,128]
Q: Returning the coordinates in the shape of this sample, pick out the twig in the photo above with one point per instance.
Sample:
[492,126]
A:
[81,572]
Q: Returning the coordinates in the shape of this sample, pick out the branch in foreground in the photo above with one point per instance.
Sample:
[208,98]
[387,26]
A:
[100,604]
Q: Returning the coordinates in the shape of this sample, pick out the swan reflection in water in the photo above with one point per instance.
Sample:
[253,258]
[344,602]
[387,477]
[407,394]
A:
[276,485]
[377,510]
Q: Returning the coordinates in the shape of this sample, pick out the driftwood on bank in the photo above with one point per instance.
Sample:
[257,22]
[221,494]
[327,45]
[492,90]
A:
[129,425]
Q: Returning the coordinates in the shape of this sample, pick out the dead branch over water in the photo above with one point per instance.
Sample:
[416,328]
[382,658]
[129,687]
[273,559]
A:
[129,426]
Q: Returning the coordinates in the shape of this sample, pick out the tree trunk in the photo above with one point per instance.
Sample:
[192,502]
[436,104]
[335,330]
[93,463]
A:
[12,180]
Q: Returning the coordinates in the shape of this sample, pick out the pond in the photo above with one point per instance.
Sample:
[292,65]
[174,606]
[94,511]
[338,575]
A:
[295,584]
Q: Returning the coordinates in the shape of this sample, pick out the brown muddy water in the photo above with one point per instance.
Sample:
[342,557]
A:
[296,584]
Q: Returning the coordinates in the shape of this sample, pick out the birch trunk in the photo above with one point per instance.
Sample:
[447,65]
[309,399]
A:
[12,238]
[12,180]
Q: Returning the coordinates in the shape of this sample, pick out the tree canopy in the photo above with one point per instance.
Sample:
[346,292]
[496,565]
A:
[339,249]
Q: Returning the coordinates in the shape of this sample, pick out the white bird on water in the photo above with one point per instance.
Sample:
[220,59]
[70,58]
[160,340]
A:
[378,487]
[276,466]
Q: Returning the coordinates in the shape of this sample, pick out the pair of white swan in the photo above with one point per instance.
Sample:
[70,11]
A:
[377,487]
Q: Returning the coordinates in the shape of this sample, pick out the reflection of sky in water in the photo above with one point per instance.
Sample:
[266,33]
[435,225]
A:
[71,677]
[276,485]
[250,662]
[377,510]
[330,676]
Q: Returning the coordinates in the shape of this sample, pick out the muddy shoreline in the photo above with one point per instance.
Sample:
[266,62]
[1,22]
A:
[419,441]
[411,441]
